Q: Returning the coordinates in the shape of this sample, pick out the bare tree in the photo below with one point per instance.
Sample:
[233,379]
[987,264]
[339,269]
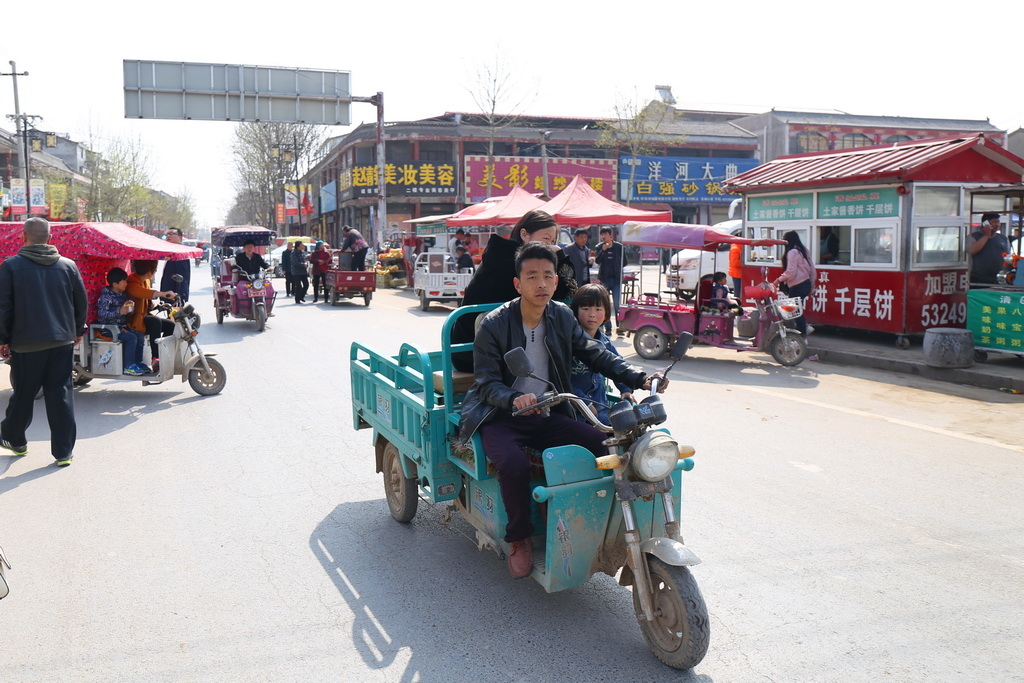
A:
[637,130]
[495,91]
[266,155]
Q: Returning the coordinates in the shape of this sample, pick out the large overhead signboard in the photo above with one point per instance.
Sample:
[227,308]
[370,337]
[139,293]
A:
[235,92]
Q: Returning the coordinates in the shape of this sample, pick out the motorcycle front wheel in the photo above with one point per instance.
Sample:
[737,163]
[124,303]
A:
[788,351]
[680,633]
[261,318]
[208,383]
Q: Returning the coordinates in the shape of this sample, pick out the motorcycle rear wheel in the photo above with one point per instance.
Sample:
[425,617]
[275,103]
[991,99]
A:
[401,492]
[208,383]
[681,631]
[789,351]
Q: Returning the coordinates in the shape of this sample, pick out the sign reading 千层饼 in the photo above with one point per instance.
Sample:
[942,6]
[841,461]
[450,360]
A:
[861,203]
[781,207]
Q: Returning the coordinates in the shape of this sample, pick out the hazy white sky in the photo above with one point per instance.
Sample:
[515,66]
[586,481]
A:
[570,59]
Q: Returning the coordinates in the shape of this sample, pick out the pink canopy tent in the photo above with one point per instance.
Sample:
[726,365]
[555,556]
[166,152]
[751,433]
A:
[579,204]
[98,247]
[505,211]
[683,236]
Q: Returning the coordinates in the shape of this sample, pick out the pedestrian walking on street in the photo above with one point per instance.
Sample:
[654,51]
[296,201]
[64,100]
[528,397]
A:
[172,268]
[42,315]
[300,276]
[321,260]
[609,272]
[286,266]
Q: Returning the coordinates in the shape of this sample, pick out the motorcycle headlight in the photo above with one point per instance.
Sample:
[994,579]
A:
[654,456]
[258,284]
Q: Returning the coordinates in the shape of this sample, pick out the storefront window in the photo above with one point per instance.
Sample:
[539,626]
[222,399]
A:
[940,244]
[936,201]
[873,245]
[833,245]
[763,255]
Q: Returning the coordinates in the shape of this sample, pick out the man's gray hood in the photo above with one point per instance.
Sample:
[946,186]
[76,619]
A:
[43,254]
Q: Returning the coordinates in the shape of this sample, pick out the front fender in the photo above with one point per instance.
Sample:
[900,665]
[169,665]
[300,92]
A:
[667,550]
[192,362]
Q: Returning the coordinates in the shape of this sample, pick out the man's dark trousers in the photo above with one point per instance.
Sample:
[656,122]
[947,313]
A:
[504,438]
[51,370]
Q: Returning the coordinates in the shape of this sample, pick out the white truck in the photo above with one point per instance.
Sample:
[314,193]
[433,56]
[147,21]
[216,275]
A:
[437,279]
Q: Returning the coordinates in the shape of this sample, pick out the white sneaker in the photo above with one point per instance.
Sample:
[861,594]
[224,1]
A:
[810,329]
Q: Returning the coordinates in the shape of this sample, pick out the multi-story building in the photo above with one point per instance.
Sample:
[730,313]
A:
[676,160]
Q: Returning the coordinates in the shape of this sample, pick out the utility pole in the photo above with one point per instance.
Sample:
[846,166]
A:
[382,198]
[21,127]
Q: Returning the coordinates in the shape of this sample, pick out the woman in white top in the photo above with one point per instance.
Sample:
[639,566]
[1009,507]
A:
[798,273]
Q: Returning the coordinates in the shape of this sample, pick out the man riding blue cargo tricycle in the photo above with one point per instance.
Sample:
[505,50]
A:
[584,497]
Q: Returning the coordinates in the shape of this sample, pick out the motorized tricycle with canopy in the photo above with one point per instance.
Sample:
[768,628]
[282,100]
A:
[98,247]
[616,512]
[653,321]
[237,293]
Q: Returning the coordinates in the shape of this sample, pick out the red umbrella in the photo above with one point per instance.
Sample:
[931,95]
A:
[579,204]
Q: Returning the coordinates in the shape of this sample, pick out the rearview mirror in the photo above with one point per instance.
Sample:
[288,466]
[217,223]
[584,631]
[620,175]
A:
[682,344]
[518,362]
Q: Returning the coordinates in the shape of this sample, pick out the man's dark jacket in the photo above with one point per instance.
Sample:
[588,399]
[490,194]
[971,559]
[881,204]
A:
[502,331]
[492,283]
[251,265]
[42,300]
[172,268]
[609,262]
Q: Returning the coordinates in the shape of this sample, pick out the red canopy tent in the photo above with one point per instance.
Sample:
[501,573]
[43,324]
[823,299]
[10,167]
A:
[579,204]
[506,211]
[98,247]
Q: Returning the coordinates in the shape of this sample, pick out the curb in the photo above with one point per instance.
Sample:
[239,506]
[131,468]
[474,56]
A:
[969,376]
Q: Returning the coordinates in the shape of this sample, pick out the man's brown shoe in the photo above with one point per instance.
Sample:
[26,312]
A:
[520,558]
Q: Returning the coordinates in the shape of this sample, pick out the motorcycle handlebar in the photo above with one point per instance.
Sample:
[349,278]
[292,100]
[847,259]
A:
[548,400]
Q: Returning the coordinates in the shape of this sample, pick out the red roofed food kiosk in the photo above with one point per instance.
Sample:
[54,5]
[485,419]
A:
[887,227]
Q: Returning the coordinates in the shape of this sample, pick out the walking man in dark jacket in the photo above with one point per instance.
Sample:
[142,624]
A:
[552,338]
[286,266]
[609,260]
[42,315]
[172,268]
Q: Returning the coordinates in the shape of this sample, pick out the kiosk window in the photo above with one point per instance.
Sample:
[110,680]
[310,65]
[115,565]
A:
[940,244]
[873,245]
[762,254]
[833,245]
[936,201]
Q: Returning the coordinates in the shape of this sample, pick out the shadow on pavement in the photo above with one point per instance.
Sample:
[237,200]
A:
[9,483]
[422,594]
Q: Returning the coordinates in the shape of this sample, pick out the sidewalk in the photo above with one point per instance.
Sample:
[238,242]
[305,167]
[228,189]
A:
[843,346]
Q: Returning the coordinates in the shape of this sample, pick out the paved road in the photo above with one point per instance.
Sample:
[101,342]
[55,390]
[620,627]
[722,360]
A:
[854,526]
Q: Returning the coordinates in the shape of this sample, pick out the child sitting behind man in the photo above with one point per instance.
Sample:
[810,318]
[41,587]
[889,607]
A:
[113,308]
[593,306]
[720,292]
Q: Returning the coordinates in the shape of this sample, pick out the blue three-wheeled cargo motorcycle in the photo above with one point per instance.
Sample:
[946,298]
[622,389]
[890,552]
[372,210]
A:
[615,512]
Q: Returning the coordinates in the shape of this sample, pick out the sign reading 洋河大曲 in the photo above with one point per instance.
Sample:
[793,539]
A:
[403,179]
[688,180]
[997,319]
[861,203]
[781,207]
[495,177]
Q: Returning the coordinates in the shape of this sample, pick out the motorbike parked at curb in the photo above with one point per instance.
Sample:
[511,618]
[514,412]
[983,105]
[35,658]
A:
[615,513]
